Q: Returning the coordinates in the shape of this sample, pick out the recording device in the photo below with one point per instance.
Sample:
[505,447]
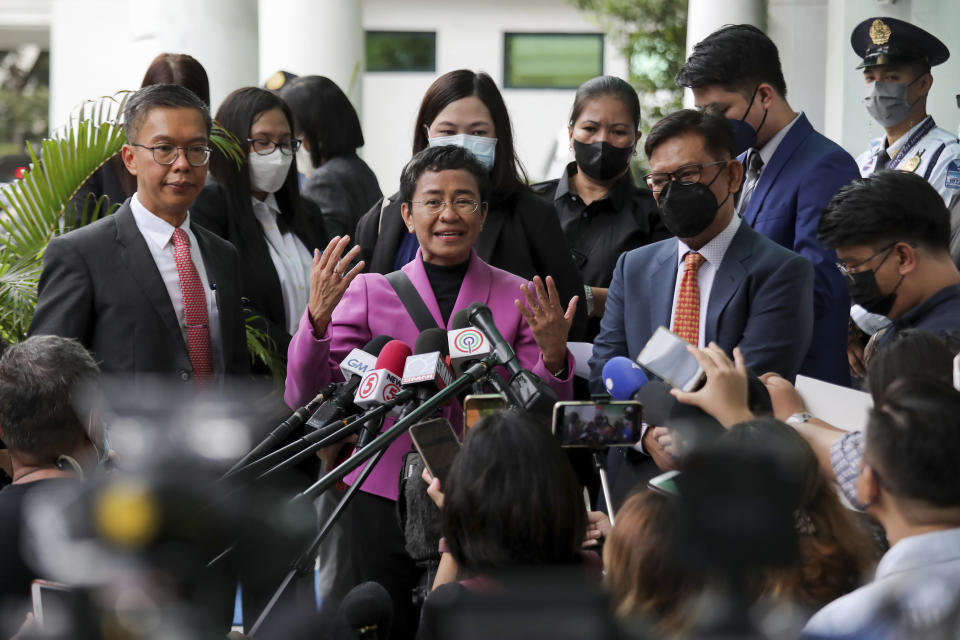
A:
[622,378]
[466,344]
[366,613]
[481,317]
[666,355]
[357,364]
[437,444]
[380,385]
[477,406]
[596,424]
[426,370]
[665,483]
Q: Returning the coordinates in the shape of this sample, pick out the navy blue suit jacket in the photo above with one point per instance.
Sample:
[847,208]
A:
[806,170]
[761,301]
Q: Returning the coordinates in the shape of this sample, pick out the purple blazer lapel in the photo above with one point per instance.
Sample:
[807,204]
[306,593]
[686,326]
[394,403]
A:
[476,285]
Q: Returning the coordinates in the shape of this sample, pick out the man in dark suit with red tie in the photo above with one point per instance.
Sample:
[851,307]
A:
[143,289]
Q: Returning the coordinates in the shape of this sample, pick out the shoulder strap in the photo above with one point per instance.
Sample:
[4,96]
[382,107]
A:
[411,300]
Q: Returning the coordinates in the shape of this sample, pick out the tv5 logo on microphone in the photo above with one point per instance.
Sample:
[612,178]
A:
[377,387]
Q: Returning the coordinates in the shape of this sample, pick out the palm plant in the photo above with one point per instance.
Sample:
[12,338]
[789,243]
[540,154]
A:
[38,207]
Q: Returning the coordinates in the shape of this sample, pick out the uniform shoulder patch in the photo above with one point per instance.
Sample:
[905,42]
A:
[952,180]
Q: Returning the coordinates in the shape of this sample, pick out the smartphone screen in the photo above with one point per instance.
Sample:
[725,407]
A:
[597,424]
[437,444]
[665,483]
[666,355]
[478,406]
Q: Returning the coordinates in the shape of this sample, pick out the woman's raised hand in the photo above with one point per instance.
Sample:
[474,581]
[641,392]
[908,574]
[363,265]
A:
[548,321]
[328,280]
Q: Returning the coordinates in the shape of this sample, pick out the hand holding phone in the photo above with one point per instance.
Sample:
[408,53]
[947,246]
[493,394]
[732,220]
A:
[666,355]
[437,444]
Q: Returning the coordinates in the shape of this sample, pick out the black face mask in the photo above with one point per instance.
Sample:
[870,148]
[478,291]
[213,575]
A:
[688,209]
[744,135]
[601,160]
[865,291]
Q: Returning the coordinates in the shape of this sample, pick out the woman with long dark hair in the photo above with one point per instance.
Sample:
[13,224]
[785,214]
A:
[257,207]
[521,234]
[338,181]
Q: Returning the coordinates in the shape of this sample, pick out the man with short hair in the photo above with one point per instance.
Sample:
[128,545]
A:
[143,289]
[791,170]
[41,379]
[718,280]
[910,482]
[890,231]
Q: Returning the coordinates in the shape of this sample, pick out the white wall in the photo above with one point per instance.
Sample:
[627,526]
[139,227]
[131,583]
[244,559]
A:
[469,35]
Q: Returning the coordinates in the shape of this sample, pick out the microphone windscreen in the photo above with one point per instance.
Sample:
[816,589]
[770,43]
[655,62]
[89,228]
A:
[622,377]
[366,606]
[376,345]
[461,320]
[433,339]
[657,402]
[393,356]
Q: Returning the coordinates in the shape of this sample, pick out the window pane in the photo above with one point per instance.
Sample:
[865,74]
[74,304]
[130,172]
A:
[551,60]
[401,51]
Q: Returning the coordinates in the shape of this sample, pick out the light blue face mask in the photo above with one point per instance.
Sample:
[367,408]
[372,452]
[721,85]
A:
[480,146]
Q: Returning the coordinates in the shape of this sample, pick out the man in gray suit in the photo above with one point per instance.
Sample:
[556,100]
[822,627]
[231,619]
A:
[143,289]
[718,280]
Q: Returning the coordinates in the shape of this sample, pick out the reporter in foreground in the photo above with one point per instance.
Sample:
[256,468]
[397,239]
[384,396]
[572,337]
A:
[444,191]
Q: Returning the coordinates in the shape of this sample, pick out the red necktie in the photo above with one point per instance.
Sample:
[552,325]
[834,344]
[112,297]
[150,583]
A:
[686,317]
[194,310]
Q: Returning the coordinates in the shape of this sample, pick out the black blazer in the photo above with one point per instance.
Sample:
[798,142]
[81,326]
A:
[259,283]
[101,286]
[521,235]
[344,188]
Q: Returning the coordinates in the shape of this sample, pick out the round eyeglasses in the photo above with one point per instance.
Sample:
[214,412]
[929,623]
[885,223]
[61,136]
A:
[197,154]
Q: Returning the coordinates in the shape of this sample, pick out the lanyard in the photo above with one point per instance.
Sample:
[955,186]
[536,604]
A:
[924,129]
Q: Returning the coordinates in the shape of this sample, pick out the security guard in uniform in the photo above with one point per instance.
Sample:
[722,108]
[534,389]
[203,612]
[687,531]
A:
[897,57]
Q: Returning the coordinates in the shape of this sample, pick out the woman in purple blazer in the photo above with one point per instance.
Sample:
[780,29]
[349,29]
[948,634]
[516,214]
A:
[444,191]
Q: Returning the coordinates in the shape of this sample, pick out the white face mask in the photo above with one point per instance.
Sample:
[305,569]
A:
[269,172]
[304,162]
[482,147]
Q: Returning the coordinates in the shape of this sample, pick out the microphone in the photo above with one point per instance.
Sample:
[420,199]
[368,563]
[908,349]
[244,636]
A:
[466,344]
[366,613]
[482,318]
[529,392]
[357,363]
[426,371]
[623,377]
[381,385]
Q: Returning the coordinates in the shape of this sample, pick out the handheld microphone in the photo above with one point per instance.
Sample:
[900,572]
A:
[482,318]
[366,612]
[427,370]
[383,383]
[466,344]
[357,363]
[623,377]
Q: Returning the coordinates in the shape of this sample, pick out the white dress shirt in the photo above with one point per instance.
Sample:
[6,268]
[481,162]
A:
[159,236]
[918,579]
[713,253]
[291,258]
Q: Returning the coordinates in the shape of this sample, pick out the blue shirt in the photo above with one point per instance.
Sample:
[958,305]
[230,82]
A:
[938,314]
[917,579]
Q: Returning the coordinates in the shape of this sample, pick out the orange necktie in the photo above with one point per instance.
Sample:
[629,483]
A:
[686,318]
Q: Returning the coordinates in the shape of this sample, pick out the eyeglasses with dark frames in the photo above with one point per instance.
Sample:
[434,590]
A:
[264,147]
[197,154]
[687,174]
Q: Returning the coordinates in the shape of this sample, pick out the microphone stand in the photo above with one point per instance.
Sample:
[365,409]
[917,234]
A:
[598,464]
[373,451]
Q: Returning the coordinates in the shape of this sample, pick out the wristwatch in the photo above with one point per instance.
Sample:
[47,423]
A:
[799,417]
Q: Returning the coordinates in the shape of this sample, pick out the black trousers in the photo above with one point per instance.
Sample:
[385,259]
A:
[372,548]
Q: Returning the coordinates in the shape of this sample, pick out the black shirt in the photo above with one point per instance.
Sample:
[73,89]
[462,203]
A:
[938,314]
[445,282]
[624,219]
